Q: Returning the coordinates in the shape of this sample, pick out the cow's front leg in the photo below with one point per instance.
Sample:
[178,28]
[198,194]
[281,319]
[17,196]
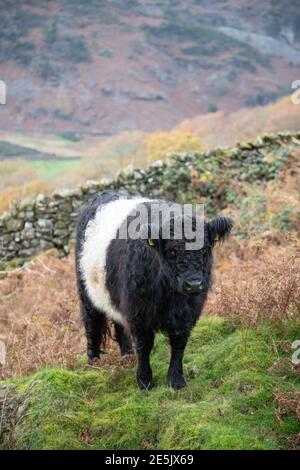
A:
[144,343]
[175,373]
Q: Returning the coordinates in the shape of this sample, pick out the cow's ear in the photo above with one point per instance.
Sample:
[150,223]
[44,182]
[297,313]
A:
[155,241]
[151,242]
[150,233]
[219,228]
[156,244]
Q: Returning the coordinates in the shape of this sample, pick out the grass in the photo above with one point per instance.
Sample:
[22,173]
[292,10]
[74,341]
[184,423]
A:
[70,136]
[45,143]
[52,168]
[228,404]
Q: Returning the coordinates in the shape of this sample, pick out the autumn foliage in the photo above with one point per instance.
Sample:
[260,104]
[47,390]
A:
[222,128]
[29,189]
[159,144]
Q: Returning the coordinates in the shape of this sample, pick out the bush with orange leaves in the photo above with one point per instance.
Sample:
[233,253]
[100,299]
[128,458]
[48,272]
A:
[158,144]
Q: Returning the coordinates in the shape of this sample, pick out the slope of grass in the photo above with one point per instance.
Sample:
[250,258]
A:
[50,169]
[228,404]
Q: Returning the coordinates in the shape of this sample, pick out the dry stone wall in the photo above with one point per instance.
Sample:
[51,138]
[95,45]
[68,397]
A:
[33,226]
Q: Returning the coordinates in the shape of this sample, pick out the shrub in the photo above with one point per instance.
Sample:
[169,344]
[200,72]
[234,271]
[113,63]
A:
[159,143]
[258,282]
[212,108]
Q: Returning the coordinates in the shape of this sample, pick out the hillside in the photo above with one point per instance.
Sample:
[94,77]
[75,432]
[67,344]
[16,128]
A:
[243,386]
[34,163]
[106,67]
[222,128]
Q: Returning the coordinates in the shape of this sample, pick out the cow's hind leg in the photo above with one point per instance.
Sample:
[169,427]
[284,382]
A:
[96,328]
[123,338]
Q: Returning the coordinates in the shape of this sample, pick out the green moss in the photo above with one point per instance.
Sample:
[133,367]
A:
[228,404]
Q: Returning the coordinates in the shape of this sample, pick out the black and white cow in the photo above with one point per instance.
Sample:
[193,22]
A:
[142,285]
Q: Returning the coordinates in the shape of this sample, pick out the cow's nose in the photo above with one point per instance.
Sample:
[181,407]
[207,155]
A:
[193,287]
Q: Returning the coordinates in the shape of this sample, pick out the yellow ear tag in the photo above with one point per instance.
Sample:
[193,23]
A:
[151,242]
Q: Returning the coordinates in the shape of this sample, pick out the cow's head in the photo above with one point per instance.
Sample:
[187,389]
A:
[188,271]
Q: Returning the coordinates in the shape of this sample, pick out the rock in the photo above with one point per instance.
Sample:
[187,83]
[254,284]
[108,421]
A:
[17,237]
[45,224]
[41,198]
[67,194]
[126,173]
[28,233]
[157,164]
[13,246]
[53,204]
[6,238]
[245,145]
[45,245]
[58,242]
[59,225]
[76,204]
[63,232]
[66,249]
[27,253]
[105,182]
[13,224]
[29,215]
[35,242]
[137,175]
[27,204]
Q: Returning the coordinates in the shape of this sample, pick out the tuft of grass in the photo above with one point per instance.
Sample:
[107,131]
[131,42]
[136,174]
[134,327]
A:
[228,404]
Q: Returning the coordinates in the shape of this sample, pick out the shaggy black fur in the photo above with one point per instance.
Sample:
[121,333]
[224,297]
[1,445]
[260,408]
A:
[95,322]
[156,288]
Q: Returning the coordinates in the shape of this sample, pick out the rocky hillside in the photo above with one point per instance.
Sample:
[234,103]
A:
[105,67]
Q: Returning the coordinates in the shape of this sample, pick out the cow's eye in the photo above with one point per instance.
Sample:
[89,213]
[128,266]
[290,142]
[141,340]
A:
[171,254]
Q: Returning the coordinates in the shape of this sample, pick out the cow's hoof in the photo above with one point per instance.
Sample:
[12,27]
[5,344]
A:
[176,381]
[144,382]
[94,361]
[128,361]
[93,357]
